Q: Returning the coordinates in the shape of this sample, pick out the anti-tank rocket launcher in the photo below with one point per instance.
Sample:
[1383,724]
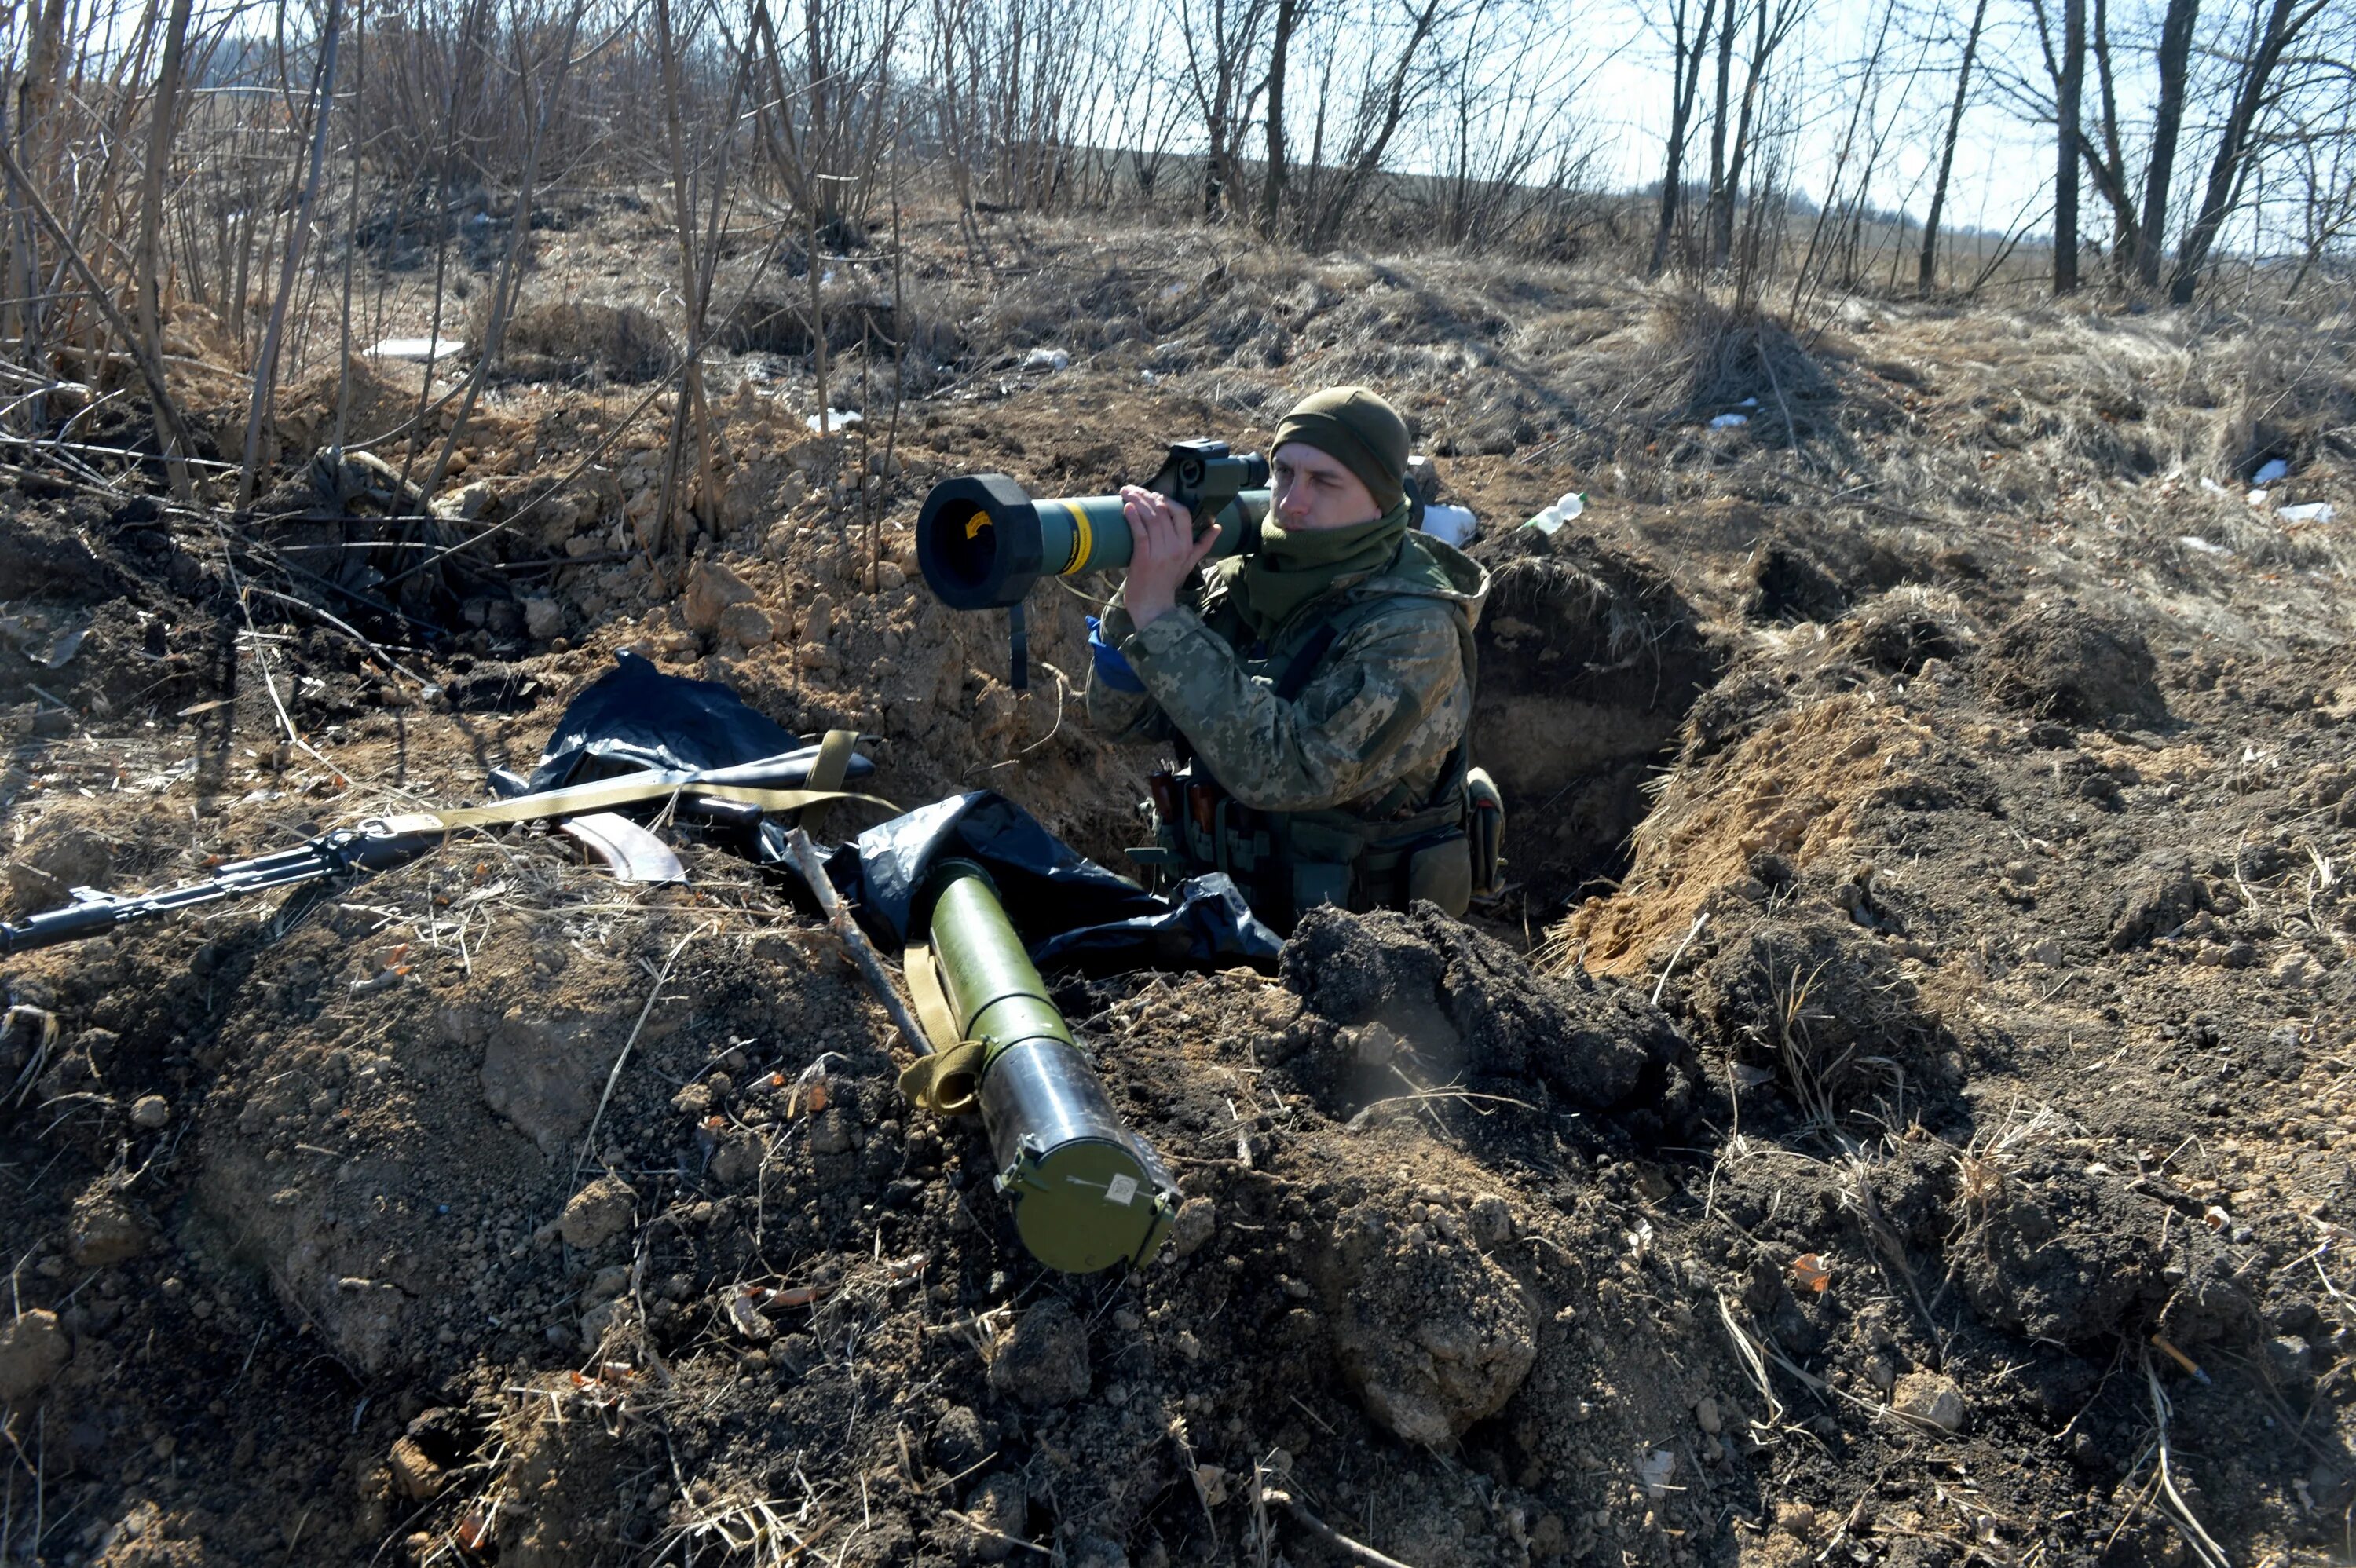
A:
[1087,1191]
[982,541]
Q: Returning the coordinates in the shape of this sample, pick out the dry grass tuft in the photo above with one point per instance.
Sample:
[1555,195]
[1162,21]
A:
[581,340]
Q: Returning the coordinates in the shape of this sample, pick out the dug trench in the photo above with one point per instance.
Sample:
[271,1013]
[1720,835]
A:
[1942,1055]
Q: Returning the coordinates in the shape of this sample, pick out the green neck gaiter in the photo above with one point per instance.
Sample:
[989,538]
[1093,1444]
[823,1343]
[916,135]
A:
[1296,566]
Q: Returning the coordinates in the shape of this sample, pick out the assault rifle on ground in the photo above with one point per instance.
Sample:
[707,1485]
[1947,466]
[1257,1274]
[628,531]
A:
[782,782]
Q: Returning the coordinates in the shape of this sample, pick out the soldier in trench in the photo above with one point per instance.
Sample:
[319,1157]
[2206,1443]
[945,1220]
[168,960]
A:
[1318,692]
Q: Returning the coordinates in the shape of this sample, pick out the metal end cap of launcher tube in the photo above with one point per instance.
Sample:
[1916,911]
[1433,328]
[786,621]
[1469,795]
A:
[1086,1205]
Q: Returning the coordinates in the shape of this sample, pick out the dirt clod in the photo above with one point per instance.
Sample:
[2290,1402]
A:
[1197,1220]
[598,1213]
[1928,1397]
[415,1476]
[1429,1331]
[150,1112]
[2156,903]
[105,1231]
[711,591]
[44,872]
[1821,1004]
[1042,1361]
[2057,1255]
[1462,1002]
[33,1350]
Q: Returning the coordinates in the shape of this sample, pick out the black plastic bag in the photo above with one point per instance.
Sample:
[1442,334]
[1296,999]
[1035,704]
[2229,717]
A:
[1073,913]
[635,717]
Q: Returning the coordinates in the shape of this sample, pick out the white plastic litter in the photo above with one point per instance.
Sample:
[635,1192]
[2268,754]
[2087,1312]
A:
[1453,525]
[1654,1470]
[2211,485]
[1730,422]
[2257,498]
[1561,512]
[2196,543]
[2307,512]
[2273,468]
[419,348]
[1046,359]
[836,419]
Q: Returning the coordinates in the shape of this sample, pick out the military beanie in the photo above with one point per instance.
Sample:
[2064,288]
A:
[1355,426]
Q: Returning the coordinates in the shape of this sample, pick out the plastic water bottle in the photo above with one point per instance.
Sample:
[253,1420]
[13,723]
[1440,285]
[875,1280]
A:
[1568,506]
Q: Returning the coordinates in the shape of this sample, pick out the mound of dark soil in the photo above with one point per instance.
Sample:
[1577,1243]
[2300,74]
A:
[2064,662]
[1820,1002]
[1896,636]
[1787,583]
[2056,1253]
[1464,1003]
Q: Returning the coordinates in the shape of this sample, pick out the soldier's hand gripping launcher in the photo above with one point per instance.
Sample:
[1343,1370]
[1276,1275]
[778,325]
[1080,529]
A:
[1087,1192]
[982,541]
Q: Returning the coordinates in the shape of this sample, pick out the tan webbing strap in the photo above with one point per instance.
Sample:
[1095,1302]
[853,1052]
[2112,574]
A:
[832,767]
[925,995]
[833,764]
[943,1082]
[629,790]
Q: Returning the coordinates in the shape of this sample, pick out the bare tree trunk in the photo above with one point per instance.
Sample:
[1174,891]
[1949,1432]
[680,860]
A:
[691,413]
[2110,169]
[2175,58]
[1686,83]
[1271,191]
[162,114]
[1765,42]
[2071,82]
[265,370]
[1717,195]
[1926,274]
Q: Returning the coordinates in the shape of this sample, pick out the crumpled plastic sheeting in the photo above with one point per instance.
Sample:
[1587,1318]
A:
[1073,913]
[635,717]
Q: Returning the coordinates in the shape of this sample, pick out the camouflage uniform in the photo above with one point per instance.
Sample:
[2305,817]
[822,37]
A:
[1371,733]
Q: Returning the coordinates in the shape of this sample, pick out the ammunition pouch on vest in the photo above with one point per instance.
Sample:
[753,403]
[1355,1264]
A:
[1289,861]
[1444,849]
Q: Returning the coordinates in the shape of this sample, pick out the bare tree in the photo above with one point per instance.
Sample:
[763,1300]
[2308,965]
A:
[1510,155]
[1926,273]
[1689,35]
[1222,51]
[2069,75]
[1271,185]
[2174,61]
[1772,23]
[2275,28]
[1392,83]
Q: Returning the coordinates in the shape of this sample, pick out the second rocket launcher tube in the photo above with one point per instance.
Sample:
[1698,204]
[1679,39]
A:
[1087,1191]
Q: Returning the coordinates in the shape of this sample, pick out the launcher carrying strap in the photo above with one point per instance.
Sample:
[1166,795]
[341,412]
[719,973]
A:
[945,1079]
